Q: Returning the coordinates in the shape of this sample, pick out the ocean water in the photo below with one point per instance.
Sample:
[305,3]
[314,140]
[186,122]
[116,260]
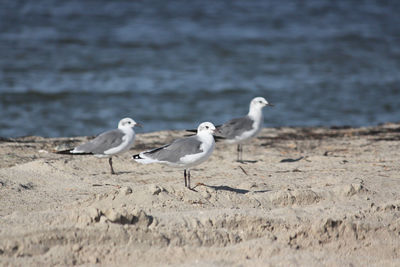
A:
[71,68]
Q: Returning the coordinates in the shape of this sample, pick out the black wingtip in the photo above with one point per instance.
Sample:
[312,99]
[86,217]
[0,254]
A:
[188,135]
[68,151]
[137,156]
[218,138]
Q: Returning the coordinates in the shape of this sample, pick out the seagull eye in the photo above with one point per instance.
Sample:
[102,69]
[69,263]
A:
[260,102]
[207,127]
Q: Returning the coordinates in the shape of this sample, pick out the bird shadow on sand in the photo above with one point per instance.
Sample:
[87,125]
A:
[291,160]
[247,161]
[123,172]
[234,190]
[112,174]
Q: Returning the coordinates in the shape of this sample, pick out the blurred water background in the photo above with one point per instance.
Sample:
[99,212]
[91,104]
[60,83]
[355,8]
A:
[72,68]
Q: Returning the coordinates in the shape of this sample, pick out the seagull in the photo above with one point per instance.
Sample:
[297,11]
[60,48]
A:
[184,152]
[109,143]
[239,130]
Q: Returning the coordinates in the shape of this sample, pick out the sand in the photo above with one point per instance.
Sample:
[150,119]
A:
[308,197]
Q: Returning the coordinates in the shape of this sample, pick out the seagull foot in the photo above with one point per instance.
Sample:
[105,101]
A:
[192,188]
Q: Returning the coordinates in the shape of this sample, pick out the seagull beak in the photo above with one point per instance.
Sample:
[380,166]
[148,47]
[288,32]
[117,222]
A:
[216,136]
[216,131]
[138,125]
[269,104]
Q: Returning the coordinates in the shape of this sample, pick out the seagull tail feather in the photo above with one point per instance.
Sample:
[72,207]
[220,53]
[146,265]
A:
[141,158]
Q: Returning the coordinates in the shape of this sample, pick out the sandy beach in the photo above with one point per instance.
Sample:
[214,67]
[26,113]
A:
[307,197]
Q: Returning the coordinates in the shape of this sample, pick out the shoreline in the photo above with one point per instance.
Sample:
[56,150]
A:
[314,196]
[327,127]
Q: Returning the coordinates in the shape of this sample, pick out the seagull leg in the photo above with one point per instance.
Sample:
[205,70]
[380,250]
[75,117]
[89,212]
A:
[110,162]
[240,153]
[184,175]
[189,179]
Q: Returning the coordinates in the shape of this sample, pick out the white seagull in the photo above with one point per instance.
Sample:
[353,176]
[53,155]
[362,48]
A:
[109,143]
[183,152]
[239,130]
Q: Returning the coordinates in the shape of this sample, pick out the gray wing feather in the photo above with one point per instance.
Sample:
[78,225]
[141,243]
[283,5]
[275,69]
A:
[103,142]
[236,127]
[176,150]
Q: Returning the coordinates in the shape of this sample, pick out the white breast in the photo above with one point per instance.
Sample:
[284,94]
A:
[257,125]
[207,148]
[127,141]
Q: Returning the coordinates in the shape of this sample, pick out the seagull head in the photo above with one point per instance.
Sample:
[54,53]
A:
[128,122]
[259,102]
[206,127]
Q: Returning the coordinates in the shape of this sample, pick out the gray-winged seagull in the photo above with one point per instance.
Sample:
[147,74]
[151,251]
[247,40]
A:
[183,152]
[109,143]
[239,130]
